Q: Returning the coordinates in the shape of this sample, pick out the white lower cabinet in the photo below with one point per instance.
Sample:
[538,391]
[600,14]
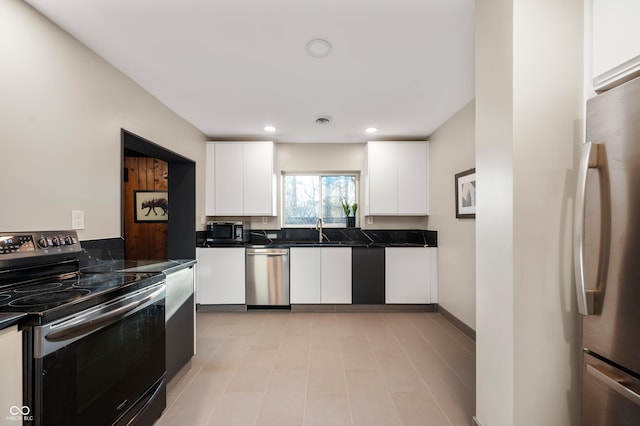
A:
[320,275]
[411,275]
[304,275]
[11,361]
[335,275]
[220,276]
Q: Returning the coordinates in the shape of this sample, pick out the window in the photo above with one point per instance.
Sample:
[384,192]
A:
[308,197]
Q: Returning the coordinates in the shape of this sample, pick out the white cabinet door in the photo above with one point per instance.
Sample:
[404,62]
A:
[616,51]
[407,275]
[433,272]
[210,181]
[382,175]
[304,275]
[240,179]
[412,178]
[335,275]
[259,179]
[221,276]
[229,179]
[11,361]
[397,178]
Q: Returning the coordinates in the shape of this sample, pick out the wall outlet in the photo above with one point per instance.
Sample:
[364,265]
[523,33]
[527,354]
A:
[77,219]
[369,220]
[265,220]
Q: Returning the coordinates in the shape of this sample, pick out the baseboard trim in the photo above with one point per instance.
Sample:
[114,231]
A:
[221,308]
[362,308]
[468,331]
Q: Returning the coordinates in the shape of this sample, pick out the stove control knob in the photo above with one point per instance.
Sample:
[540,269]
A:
[55,241]
[42,242]
[68,241]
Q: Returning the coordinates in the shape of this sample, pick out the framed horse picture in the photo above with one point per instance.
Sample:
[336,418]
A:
[151,206]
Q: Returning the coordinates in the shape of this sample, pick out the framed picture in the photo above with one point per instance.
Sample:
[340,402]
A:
[466,194]
[151,206]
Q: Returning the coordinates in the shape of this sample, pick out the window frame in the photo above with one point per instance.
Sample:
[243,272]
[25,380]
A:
[354,174]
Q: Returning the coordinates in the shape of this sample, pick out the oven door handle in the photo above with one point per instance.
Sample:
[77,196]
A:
[101,321]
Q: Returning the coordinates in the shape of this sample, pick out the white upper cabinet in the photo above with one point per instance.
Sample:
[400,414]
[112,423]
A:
[397,178]
[210,193]
[259,179]
[228,179]
[382,178]
[615,42]
[240,179]
[412,178]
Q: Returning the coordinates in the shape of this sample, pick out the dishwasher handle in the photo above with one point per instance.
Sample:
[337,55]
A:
[258,252]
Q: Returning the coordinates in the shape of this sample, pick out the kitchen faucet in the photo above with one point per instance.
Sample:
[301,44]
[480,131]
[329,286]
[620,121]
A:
[319,228]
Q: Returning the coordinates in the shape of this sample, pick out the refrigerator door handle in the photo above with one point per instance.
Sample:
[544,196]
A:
[616,384]
[588,159]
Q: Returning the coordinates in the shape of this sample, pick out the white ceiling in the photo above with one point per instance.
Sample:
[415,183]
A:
[230,67]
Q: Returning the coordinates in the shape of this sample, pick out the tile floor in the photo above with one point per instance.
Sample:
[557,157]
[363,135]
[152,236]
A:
[283,368]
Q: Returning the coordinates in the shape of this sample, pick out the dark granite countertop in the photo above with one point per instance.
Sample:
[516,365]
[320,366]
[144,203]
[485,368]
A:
[10,318]
[332,237]
[290,244]
[165,266]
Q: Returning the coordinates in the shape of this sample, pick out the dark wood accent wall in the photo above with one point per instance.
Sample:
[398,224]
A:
[144,240]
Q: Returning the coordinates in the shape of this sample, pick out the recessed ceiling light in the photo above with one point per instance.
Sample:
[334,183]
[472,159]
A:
[269,128]
[318,48]
[324,119]
[371,129]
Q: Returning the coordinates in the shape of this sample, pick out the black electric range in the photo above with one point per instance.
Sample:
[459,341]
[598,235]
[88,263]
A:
[40,277]
[46,299]
[93,341]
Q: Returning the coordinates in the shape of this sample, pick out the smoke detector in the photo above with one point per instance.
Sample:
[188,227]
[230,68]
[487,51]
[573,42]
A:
[323,119]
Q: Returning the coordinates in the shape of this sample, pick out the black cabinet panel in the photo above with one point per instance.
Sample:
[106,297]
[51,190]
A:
[367,275]
[179,338]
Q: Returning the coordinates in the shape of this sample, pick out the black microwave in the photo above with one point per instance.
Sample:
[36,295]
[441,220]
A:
[226,232]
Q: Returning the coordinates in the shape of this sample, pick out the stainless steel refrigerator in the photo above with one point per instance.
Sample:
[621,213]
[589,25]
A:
[607,258]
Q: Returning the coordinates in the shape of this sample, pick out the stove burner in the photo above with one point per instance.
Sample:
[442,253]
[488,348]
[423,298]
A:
[38,287]
[4,296]
[51,299]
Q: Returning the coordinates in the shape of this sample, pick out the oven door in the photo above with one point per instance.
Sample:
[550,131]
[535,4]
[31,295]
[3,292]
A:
[104,364]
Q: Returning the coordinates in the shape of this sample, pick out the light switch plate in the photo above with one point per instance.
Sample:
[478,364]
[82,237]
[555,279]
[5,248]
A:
[77,219]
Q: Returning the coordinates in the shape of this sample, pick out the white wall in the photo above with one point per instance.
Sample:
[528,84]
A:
[452,150]
[529,109]
[61,111]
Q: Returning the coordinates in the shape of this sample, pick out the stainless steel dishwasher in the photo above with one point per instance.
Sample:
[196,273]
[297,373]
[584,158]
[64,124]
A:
[267,276]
